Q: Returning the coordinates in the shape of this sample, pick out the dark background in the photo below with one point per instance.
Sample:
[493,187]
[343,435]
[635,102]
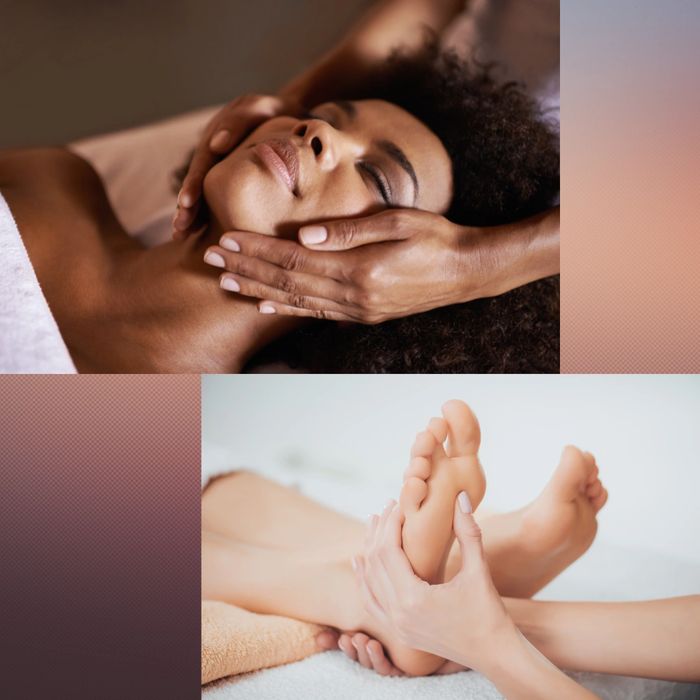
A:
[77,67]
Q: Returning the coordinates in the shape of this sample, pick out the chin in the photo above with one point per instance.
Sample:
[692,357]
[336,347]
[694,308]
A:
[238,198]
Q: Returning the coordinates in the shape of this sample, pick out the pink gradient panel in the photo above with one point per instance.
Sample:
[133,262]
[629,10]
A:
[99,516]
[630,187]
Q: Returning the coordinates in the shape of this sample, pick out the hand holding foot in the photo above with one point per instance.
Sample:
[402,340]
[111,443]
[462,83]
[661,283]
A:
[463,620]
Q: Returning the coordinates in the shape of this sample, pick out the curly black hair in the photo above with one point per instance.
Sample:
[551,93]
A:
[505,162]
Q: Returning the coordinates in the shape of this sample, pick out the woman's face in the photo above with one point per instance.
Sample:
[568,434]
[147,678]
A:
[345,159]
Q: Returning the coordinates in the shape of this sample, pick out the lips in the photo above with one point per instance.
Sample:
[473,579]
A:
[282,160]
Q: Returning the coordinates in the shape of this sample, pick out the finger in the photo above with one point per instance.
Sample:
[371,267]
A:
[314,309]
[392,555]
[380,662]
[288,255]
[343,234]
[184,218]
[467,532]
[327,639]
[379,530]
[287,287]
[370,602]
[202,162]
[345,645]
[359,641]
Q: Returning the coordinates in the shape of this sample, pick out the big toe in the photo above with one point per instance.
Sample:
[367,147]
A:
[463,429]
[572,474]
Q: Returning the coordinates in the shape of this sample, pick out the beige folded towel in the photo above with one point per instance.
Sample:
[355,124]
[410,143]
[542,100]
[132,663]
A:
[238,641]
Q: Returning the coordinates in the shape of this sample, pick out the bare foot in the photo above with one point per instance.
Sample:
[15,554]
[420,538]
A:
[435,475]
[529,547]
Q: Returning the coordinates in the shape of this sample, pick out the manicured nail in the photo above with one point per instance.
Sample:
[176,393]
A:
[214,259]
[229,284]
[185,199]
[390,504]
[230,244]
[219,140]
[370,652]
[464,505]
[311,235]
[267,309]
[353,562]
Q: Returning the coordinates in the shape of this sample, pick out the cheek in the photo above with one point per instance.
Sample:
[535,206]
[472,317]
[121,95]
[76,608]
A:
[344,194]
[240,196]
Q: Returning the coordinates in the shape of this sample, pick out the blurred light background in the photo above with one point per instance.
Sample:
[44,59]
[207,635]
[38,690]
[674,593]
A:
[355,432]
[73,68]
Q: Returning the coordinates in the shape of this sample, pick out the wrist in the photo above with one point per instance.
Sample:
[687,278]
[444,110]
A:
[496,259]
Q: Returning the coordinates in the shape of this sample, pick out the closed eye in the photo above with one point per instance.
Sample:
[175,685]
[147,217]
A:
[380,182]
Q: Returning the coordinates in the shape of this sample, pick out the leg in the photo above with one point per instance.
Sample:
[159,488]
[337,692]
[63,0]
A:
[305,585]
[245,506]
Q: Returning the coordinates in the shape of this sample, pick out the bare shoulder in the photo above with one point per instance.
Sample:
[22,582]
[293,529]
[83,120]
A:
[56,183]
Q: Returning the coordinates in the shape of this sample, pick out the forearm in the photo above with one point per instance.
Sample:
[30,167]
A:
[510,256]
[350,64]
[521,672]
[652,639]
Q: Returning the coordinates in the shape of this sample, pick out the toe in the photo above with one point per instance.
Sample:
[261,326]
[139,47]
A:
[571,475]
[463,429]
[600,500]
[413,493]
[424,445]
[438,427]
[593,490]
[419,467]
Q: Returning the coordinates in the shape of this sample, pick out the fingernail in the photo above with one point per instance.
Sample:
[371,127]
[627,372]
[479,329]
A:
[353,563]
[219,139]
[311,235]
[389,504]
[464,505]
[267,309]
[230,244]
[370,652]
[229,284]
[214,259]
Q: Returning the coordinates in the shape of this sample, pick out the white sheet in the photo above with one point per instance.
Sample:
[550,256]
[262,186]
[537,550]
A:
[606,572]
[30,341]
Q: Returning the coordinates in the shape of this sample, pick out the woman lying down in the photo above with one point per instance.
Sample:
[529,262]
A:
[430,135]
[416,601]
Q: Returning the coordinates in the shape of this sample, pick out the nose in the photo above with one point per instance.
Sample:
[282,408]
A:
[326,143]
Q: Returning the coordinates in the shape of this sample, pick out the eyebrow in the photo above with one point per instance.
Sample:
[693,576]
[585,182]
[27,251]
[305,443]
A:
[389,147]
[347,107]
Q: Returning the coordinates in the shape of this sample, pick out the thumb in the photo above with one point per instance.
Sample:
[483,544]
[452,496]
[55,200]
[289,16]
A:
[467,532]
[345,234]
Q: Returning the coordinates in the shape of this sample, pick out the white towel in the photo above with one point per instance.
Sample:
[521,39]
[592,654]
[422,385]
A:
[30,341]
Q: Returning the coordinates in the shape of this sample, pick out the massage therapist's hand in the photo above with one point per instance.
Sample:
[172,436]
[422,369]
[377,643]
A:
[226,129]
[369,652]
[463,620]
[395,263]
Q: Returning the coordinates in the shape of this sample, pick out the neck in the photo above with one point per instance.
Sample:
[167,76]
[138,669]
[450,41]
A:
[165,312]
